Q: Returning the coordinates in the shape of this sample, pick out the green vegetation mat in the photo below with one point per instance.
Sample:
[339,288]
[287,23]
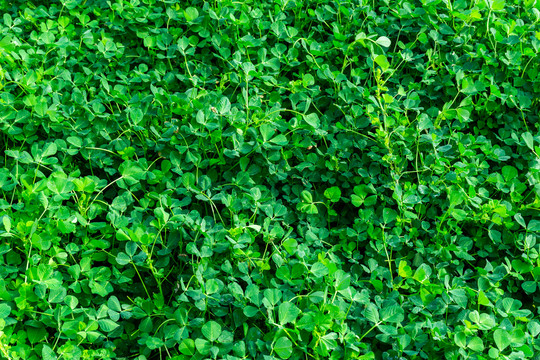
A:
[282,179]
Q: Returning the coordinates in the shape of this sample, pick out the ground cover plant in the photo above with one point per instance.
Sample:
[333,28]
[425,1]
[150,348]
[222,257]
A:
[283,179]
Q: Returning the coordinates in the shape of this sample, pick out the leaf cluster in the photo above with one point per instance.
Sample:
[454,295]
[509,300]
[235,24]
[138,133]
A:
[269,180]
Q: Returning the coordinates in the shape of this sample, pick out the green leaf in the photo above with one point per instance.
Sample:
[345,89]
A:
[283,347]
[5,311]
[389,215]
[250,311]
[49,150]
[154,343]
[460,297]
[224,106]
[211,330]
[333,194]
[357,200]
[306,196]
[534,225]
[342,280]
[290,245]
[310,209]
[36,335]
[161,215]
[421,274]
[509,172]
[534,328]
[476,344]
[8,21]
[187,347]
[203,346]
[371,313]
[308,80]
[384,41]
[483,299]
[520,266]
[502,339]
[71,301]
[107,325]
[136,115]
[307,322]
[529,287]
[422,37]
[7,223]
[529,140]
[267,131]
[41,107]
[188,180]
[191,14]
[459,214]
[312,120]
[213,286]
[58,183]
[460,339]
[114,304]
[280,140]
[486,322]
[75,141]
[519,218]
[132,171]
[392,313]
[382,62]
[48,354]
[493,353]
[272,296]
[424,122]
[122,259]
[404,270]
[146,326]
[319,270]
[469,87]
[497,5]
[288,312]
[57,295]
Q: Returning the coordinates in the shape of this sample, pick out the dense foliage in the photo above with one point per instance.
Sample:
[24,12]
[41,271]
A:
[284,179]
